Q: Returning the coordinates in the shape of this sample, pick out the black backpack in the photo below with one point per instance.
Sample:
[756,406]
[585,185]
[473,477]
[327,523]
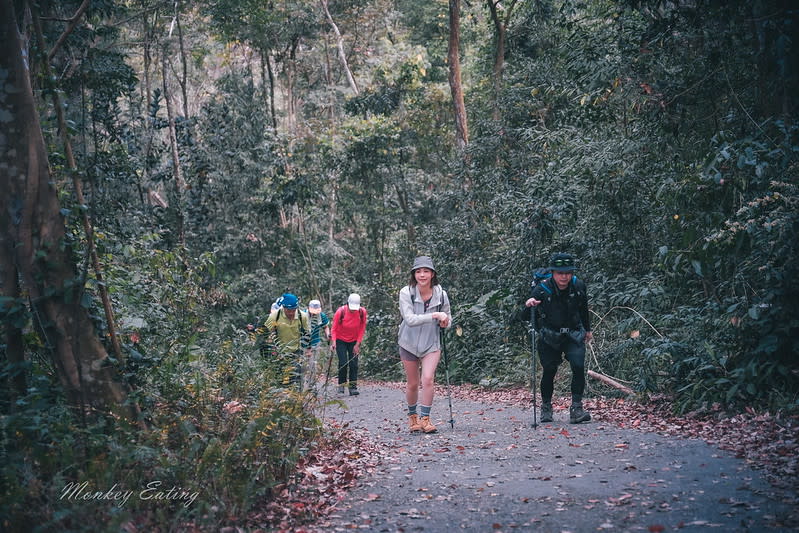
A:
[540,276]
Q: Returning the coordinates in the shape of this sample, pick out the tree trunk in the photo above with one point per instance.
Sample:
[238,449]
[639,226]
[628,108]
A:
[308,253]
[88,228]
[333,179]
[269,90]
[342,56]
[173,143]
[501,26]
[184,69]
[290,68]
[410,227]
[9,278]
[34,227]
[147,97]
[455,86]
[405,205]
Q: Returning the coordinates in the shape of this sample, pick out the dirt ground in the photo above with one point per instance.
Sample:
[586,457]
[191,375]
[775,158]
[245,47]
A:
[494,472]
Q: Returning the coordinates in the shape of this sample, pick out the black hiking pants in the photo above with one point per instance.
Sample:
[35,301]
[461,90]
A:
[552,356]
[347,363]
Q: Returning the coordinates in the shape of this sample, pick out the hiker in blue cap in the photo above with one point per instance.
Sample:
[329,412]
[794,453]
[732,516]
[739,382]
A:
[289,331]
[561,304]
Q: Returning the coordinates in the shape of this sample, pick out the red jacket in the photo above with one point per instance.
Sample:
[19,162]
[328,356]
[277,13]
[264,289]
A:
[348,326]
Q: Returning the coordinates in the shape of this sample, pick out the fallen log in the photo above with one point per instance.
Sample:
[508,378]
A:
[610,381]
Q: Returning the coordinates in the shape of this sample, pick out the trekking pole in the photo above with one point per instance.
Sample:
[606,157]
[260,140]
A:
[330,354]
[535,363]
[446,373]
[325,387]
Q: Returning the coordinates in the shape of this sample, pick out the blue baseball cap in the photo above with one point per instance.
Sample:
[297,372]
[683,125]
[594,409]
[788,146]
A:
[289,301]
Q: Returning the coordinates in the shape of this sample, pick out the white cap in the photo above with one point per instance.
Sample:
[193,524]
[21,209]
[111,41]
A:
[314,307]
[354,302]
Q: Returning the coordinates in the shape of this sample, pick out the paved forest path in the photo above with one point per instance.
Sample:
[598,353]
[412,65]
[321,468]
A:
[493,472]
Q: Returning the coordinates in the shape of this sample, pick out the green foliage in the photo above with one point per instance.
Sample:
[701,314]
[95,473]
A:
[265,26]
[610,154]
[752,257]
[655,140]
[240,162]
[221,428]
[217,434]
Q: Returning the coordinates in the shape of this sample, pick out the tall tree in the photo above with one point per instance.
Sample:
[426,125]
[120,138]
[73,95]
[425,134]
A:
[148,38]
[455,85]
[500,16]
[342,55]
[277,30]
[184,69]
[88,227]
[177,169]
[33,227]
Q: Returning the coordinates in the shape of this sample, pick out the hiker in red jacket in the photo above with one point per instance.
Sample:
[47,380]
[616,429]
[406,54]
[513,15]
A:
[349,325]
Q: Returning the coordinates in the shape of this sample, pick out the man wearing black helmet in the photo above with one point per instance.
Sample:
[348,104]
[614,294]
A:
[561,305]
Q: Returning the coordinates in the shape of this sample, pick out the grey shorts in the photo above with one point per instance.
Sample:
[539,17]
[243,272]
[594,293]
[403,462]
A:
[405,355]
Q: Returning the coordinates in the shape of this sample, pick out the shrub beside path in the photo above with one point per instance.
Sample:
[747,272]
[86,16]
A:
[494,472]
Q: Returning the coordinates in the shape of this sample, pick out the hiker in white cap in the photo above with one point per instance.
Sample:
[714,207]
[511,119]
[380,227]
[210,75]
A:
[349,326]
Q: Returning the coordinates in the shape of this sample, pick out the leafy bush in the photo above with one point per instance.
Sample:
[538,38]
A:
[219,439]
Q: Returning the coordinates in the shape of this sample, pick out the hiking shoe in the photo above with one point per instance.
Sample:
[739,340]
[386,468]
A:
[427,426]
[413,421]
[546,412]
[341,389]
[354,391]
[577,414]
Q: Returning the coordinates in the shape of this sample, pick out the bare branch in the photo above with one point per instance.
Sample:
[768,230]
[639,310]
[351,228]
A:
[610,381]
[70,27]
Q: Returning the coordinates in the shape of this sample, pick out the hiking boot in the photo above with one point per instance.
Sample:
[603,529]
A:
[427,426]
[577,414]
[341,389]
[546,412]
[354,391]
[413,421]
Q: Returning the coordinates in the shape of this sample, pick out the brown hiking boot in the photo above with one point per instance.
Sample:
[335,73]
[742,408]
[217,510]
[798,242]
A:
[427,426]
[577,414]
[413,420]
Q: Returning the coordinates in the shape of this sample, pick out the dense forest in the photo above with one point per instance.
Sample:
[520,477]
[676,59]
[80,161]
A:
[169,168]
